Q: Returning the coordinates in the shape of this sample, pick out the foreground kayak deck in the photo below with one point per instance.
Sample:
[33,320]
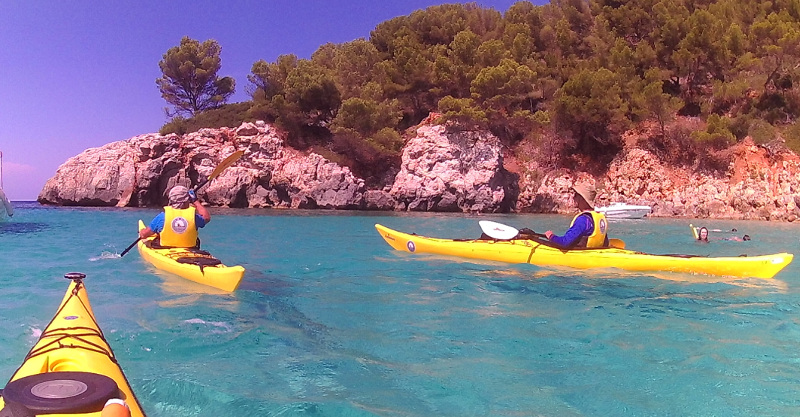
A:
[71,370]
[537,252]
[196,265]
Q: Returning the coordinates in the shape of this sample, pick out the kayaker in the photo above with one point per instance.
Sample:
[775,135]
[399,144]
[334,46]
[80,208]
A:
[184,214]
[589,228]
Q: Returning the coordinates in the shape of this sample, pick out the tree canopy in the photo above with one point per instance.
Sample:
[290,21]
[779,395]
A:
[576,72]
[189,80]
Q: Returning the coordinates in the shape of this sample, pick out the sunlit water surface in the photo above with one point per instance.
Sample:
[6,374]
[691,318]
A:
[330,321]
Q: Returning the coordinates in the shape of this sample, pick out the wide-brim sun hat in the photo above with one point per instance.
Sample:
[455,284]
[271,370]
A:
[587,191]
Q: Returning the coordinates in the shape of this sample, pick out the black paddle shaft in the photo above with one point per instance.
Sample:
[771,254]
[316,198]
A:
[129,247]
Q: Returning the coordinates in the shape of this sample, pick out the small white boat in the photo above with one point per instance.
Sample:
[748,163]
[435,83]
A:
[624,211]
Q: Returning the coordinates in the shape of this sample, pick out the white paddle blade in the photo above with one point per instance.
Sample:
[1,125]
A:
[498,230]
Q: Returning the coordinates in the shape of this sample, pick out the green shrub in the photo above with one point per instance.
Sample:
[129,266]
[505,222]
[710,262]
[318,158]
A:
[368,158]
[461,111]
[229,115]
[717,134]
[177,125]
[792,136]
[676,146]
[761,132]
[389,139]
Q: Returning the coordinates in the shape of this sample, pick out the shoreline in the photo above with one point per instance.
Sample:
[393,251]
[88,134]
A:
[288,210]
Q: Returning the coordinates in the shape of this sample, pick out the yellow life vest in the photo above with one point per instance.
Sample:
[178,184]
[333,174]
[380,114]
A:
[598,237]
[180,230]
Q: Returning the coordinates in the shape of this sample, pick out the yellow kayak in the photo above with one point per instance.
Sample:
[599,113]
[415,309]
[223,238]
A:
[540,252]
[192,264]
[71,370]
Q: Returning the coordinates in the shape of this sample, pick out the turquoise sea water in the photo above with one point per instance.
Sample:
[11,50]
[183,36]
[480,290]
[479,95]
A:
[330,321]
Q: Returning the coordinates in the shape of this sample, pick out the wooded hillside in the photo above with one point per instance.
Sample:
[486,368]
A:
[560,83]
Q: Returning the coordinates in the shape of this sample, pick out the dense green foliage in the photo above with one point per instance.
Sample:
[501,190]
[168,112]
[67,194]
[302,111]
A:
[227,115]
[189,79]
[569,77]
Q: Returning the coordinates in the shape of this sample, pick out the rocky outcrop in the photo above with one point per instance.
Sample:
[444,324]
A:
[756,186]
[140,170]
[759,185]
[99,177]
[456,171]
[441,170]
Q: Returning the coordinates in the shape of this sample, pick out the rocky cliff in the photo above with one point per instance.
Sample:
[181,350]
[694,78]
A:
[760,184]
[140,170]
[441,170]
[453,171]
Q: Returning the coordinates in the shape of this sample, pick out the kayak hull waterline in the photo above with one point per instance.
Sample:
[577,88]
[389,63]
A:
[537,253]
[203,270]
[71,370]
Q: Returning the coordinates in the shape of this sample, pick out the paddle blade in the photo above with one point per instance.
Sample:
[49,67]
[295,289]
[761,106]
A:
[616,243]
[498,230]
[221,167]
[225,163]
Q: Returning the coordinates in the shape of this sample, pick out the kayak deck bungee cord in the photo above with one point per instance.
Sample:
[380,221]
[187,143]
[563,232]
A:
[71,370]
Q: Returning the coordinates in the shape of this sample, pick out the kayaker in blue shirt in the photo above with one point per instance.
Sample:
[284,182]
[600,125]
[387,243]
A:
[184,215]
[589,228]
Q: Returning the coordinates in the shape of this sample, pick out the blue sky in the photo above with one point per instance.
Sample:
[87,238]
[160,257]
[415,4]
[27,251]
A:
[79,74]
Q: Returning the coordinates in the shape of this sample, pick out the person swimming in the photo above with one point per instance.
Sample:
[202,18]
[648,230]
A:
[737,238]
[702,235]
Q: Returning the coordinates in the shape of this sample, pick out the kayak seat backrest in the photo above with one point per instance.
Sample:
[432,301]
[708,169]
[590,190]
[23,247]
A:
[156,244]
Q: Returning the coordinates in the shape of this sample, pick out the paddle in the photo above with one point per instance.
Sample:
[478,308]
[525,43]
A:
[501,231]
[221,167]
[214,174]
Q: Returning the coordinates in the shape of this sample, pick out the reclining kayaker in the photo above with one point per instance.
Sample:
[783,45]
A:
[589,228]
[184,215]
